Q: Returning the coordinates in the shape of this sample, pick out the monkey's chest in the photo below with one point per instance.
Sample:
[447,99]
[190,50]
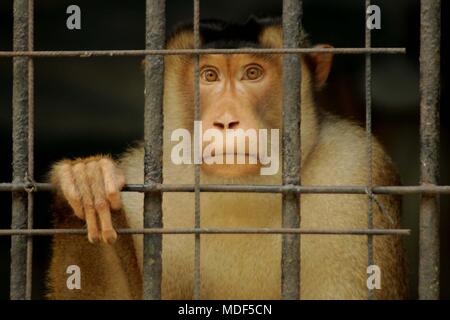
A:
[231,266]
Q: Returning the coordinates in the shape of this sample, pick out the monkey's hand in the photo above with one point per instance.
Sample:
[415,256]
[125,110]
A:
[92,187]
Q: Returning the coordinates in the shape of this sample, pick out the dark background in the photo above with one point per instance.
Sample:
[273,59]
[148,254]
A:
[95,105]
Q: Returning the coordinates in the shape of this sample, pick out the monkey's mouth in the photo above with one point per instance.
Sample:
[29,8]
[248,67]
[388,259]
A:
[249,158]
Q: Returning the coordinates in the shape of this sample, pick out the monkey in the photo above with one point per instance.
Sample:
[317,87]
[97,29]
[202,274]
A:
[237,91]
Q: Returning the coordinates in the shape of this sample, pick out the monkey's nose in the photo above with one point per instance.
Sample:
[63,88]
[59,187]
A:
[226,121]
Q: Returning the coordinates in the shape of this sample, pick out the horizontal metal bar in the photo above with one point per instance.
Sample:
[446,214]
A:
[424,189]
[163,52]
[48,232]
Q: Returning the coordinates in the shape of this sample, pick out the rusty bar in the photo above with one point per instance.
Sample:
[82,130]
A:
[197,273]
[20,151]
[154,187]
[430,37]
[137,53]
[362,232]
[29,267]
[153,131]
[290,256]
[368,100]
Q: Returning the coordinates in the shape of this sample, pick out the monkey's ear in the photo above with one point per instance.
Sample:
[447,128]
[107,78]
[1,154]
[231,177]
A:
[271,37]
[183,39]
[320,65]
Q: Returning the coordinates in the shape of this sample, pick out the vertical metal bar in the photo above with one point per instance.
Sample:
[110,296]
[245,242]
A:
[430,37]
[197,275]
[29,271]
[20,150]
[368,98]
[153,132]
[290,259]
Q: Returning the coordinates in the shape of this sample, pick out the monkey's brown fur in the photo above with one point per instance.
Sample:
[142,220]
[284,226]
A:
[245,266]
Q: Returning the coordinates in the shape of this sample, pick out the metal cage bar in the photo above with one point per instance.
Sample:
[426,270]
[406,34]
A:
[29,270]
[137,53]
[197,273]
[19,244]
[368,101]
[153,133]
[291,144]
[430,37]
[158,187]
[23,186]
[49,232]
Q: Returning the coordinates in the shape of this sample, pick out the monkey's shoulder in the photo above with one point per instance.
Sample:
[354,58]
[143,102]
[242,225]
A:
[341,155]
[132,163]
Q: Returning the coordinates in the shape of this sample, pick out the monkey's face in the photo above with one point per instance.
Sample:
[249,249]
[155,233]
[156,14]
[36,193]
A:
[240,95]
[238,92]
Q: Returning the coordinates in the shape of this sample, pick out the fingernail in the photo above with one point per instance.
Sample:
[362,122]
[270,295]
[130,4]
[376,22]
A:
[93,239]
[109,236]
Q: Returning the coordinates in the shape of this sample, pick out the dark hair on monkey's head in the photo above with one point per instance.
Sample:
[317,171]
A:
[216,33]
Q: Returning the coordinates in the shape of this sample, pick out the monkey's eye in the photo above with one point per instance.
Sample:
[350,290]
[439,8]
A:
[252,73]
[209,75]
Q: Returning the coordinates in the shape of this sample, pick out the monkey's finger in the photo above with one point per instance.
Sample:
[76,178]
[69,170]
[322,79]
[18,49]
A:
[69,189]
[81,179]
[109,235]
[91,224]
[120,178]
[94,173]
[112,191]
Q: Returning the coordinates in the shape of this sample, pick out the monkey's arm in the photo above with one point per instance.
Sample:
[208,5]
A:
[87,192]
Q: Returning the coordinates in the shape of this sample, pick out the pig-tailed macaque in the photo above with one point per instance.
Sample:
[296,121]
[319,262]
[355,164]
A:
[238,91]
